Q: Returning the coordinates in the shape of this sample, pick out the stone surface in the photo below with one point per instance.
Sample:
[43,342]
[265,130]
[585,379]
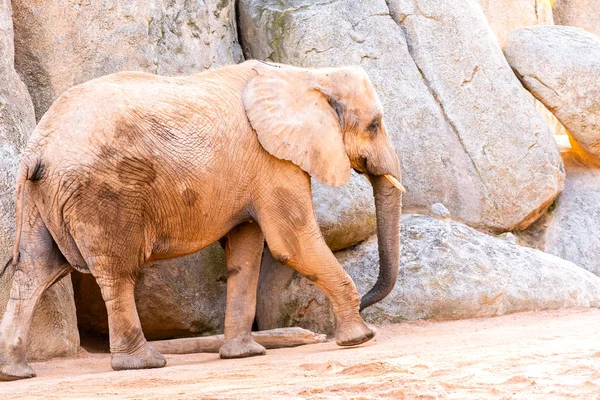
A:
[569,230]
[490,159]
[61,44]
[583,14]
[440,211]
[174,298]
[508,143]
[559,65]
[507,15]
[509,237]
[286,298]
[346,214]
[447,271]
[54,330]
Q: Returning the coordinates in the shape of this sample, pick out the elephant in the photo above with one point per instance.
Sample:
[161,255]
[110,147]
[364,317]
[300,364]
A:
[133,167]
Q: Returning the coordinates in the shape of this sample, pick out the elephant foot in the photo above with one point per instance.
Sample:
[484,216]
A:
[353,333]
[241,347]
[13,372]
[143,358]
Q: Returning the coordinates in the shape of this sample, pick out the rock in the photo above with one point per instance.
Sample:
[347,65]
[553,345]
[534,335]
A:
[175,298]
[490,159]
[54,329]
[59,45]
[509,237]
[508,15]
[510,157]
[559,65]
[569,229]
[447,271]
[285,298]
[440,210]
[505,16]
[583,14]
[346,214]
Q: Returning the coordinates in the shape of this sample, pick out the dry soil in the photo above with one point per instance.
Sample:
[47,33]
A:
[535,355]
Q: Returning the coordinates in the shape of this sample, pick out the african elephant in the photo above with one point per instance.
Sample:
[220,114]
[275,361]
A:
[133,167]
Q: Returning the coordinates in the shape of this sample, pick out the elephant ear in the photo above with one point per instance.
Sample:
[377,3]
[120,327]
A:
[295,121]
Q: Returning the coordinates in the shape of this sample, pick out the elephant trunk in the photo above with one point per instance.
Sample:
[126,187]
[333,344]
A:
[388,204]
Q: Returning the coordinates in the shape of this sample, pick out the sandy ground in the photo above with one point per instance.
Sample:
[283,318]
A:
[542,355]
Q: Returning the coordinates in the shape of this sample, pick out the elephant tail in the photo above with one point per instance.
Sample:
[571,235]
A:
[21,179]
[27,171]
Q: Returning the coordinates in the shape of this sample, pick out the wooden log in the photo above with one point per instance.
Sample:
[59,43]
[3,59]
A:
[270,339]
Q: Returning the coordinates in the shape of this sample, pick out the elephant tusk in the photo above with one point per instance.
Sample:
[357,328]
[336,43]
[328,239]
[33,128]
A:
[395,182]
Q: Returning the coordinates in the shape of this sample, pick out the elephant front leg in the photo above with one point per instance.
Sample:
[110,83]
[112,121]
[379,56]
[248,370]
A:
[294,238]
[243,251]
[128,346]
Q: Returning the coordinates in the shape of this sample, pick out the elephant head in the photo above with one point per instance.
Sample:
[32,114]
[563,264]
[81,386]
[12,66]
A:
[327,121]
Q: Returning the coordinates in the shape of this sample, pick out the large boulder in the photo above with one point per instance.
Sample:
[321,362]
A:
[346,214]
[174,298]
[54,330]
[559,65]
[447,271]
[474,143]
[507,15]
[570,229]
[60,44]
[583,14]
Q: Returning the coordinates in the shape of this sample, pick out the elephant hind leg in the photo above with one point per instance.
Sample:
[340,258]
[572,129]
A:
[129,349]
[243,251]
[40,265]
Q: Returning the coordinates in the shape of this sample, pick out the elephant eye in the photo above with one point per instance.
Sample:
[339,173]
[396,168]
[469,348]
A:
[373,127]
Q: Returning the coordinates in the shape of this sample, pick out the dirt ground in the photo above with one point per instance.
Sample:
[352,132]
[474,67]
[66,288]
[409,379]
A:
[536,355]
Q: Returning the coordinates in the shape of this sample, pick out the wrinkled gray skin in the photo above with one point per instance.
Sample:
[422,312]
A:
[133,167]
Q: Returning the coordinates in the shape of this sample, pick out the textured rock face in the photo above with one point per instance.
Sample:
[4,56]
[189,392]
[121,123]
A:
[559,65]
[346,214]
[508,143]
[61,44]
[447,271]
[174,298]
[286,298]
[489,158]
[17,121]
[507,15]
[570,229]
[54,330]
[583,14]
